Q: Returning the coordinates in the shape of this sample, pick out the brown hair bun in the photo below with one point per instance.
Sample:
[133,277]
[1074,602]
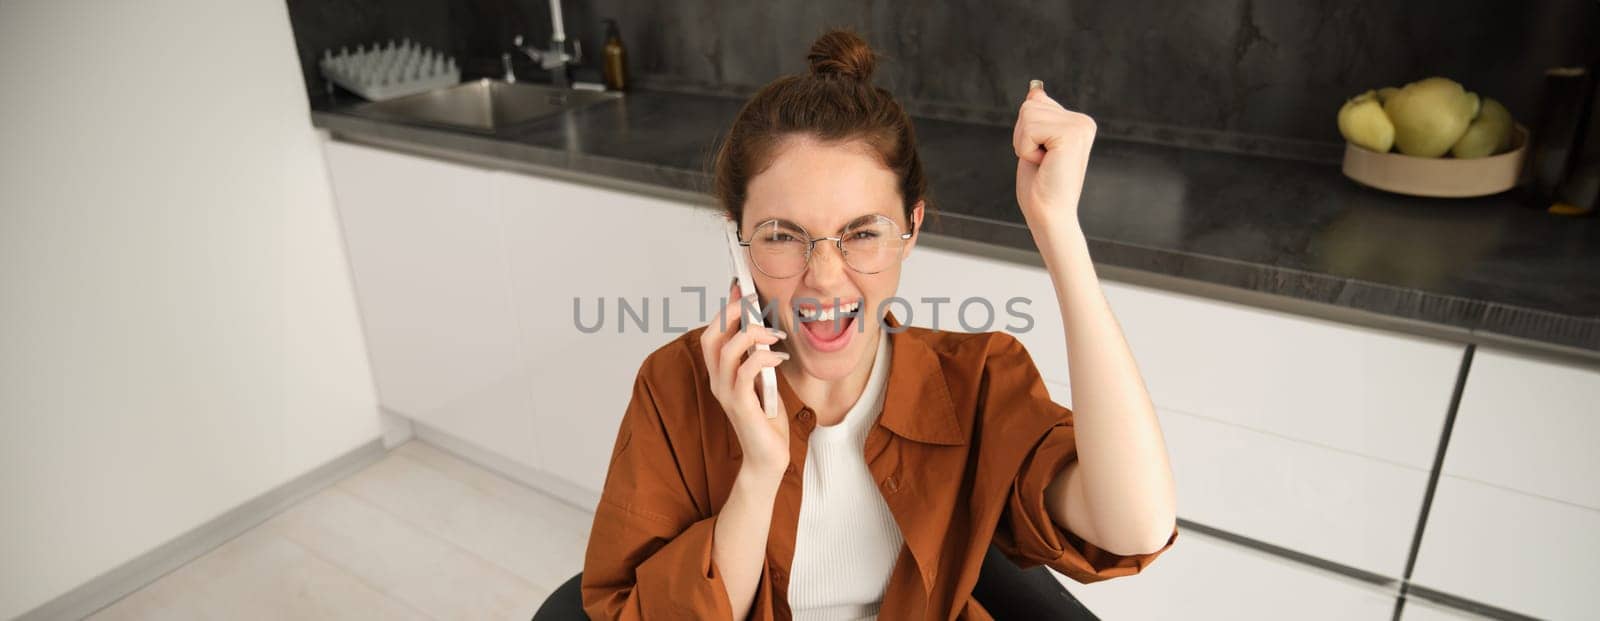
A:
[842,53]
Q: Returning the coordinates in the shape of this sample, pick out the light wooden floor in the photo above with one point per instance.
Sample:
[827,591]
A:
[418,535]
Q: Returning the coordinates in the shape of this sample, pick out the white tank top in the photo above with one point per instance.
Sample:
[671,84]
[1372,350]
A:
[847,540]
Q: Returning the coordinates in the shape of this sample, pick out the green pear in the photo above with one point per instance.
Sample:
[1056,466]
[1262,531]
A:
[1488,134]
[1430,115]
[1363,123]
[1386,92]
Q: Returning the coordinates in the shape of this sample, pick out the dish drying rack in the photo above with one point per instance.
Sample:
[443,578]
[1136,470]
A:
[389,71]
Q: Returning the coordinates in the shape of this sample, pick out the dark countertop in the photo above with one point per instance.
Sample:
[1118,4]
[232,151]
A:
[1292,234]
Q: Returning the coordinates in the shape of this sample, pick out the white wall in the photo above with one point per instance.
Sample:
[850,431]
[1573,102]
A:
[177,328]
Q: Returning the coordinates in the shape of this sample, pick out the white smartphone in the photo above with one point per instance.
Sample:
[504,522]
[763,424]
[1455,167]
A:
[751,314]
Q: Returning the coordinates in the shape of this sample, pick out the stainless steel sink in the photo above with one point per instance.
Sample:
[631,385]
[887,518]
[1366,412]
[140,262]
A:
[484,105]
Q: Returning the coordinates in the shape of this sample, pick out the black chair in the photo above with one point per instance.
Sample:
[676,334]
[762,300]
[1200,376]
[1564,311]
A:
[1006,591]
[1009,592]
[565,604]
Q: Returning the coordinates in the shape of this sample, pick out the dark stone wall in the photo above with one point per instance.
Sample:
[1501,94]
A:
[1245,67]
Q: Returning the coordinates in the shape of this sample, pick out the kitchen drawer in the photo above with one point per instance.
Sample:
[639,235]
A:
[1202,577]
[1530,425]
[1373,393]
[1377,394]
[1515,551]
[1327,503]
[1349,509]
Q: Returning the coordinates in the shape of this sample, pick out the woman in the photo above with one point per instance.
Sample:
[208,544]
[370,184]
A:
[924,447]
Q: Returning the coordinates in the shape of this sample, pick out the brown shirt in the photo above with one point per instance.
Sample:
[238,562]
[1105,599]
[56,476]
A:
[966,443]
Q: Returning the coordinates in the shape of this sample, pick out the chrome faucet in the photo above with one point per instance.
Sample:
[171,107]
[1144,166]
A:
[555,59]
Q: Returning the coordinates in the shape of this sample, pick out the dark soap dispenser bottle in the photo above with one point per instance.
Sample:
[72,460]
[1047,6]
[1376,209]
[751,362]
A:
[614,57]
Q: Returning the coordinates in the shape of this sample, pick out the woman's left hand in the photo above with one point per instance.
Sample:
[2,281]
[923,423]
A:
[1052,145]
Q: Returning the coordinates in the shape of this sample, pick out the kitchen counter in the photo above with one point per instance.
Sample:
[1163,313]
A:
[1288,234]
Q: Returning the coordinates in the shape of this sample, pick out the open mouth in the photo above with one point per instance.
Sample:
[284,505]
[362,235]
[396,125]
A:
[828,329]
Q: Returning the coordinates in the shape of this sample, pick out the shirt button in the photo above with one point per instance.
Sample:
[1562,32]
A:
[789,471]
[892,483]
[805,415]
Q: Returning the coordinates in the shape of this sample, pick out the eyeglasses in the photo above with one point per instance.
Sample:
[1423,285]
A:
[869,244]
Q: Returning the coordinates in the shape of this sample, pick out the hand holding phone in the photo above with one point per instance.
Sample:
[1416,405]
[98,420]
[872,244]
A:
[751,315]
[737,356]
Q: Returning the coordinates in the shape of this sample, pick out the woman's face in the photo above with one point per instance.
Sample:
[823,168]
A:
[822,188]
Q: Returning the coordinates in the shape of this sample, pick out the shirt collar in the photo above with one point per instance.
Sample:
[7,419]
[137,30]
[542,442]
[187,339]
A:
[916,404]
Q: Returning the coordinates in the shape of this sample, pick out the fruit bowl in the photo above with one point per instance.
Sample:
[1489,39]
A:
[1445,177]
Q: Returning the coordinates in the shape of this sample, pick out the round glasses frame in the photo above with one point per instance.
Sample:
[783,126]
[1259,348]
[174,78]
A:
[811,246]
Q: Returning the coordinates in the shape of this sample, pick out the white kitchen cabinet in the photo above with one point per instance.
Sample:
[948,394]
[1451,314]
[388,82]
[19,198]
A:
[1529,425]
[1335,505]
[1515,522]
[1510,550]
[571,241]
[1202,577]
[429,265]
[467,280]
